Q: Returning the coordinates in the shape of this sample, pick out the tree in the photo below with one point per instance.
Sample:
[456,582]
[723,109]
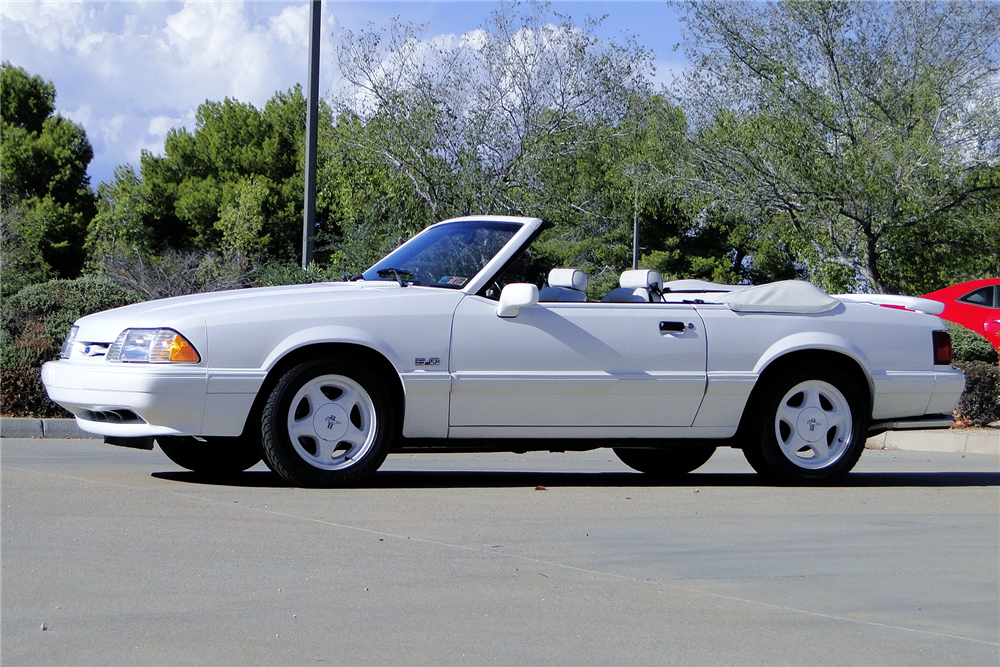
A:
[233,186]
[372,207]
[863,133]
[45,192]
[459,118]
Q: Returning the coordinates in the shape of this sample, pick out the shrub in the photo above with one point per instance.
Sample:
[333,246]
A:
[980,403]
[33,324]
[174,273]
[275,273]
[967,345]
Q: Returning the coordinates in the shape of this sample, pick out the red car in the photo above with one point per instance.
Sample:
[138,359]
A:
[975,305]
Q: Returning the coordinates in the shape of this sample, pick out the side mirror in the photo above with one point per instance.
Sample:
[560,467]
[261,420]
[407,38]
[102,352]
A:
[514,296]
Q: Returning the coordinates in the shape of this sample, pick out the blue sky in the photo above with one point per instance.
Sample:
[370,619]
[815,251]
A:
[130,71]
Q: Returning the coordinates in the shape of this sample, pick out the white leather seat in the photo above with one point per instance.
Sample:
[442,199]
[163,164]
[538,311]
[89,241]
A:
[565,285]
[637,286]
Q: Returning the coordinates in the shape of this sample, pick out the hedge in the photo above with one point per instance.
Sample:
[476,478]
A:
[33,324]
[967,345]
[980,403]
[974,356]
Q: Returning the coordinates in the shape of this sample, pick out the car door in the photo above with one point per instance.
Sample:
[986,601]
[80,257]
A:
[570,365]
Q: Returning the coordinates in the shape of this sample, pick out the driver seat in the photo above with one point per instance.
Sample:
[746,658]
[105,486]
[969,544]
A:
[565,285]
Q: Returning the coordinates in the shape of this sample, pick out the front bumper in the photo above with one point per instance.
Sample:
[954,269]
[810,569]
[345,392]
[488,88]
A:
[129,400]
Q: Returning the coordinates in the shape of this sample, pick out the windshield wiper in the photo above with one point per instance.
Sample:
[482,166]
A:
[395,273]
[350,278]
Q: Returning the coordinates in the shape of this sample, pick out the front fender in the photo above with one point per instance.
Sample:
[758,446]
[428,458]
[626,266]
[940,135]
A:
[331,334]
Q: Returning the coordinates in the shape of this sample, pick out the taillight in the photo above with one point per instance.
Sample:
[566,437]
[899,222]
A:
[942,348]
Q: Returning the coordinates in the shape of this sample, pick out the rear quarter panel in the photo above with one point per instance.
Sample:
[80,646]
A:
[892,347]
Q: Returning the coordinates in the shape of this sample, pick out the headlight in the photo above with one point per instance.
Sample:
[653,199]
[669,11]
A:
[152,346]
[67,346]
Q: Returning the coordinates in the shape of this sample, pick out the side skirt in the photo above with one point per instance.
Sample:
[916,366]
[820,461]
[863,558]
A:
[522,445]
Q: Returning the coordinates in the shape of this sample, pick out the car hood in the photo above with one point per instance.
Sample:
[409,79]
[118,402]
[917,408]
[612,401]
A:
[200,309]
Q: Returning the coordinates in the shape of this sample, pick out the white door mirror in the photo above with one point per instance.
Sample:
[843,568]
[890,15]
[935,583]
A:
[514,296]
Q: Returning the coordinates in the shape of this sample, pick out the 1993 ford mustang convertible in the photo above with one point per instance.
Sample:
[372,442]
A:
[446,345]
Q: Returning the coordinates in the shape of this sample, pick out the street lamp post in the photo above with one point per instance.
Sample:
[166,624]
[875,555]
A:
[312,125]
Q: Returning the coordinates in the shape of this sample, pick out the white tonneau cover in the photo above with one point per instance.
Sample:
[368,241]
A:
[786,296]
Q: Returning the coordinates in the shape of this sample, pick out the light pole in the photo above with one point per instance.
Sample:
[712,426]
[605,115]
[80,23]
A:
[635,171]
[312,125]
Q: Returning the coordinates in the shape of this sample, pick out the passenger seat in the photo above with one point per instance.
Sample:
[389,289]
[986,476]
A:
[637,286]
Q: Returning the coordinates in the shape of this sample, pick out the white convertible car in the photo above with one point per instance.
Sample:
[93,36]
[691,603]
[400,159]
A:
[444,345]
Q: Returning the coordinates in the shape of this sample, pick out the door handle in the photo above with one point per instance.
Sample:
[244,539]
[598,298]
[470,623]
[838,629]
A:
[673,327]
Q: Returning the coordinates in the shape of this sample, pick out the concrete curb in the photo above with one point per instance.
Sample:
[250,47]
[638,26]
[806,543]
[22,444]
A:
[961,441]
[20,427]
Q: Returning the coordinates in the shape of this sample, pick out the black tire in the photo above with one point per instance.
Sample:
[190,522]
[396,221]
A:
[210,455]
[811,427]
[673,461]
[327,423]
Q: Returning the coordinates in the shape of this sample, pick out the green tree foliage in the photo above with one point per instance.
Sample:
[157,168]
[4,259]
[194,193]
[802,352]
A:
[242,220]
[45,192]
[234,185]
[371,206]
[863,135]
[616,175]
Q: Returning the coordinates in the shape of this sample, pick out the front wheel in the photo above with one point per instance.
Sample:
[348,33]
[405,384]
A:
[327,423]
[672,461]
[811,428]
[210,455]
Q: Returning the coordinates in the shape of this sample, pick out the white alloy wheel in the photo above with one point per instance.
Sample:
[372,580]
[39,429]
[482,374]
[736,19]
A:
[332,422]
[813,424]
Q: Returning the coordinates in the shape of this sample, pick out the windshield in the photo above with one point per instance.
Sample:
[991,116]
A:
[447,255]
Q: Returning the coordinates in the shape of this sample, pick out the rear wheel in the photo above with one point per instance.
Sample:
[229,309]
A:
[811,427]
[672,461]
[210,455]
[327,423]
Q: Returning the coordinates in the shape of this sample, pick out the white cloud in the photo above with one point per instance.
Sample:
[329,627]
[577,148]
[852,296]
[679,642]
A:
[291,26]
[160,125]
[51,26]
[82,115]
[129,68]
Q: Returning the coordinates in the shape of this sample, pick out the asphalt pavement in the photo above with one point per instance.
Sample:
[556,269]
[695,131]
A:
[116,556]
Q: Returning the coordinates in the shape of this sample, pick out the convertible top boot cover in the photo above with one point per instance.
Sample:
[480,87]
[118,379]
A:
[786,296]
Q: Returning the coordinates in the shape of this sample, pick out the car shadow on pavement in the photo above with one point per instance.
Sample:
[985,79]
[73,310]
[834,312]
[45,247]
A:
[416,479]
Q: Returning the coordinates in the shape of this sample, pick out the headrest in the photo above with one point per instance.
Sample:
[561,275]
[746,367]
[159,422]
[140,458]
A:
[641,278]
[569,278]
